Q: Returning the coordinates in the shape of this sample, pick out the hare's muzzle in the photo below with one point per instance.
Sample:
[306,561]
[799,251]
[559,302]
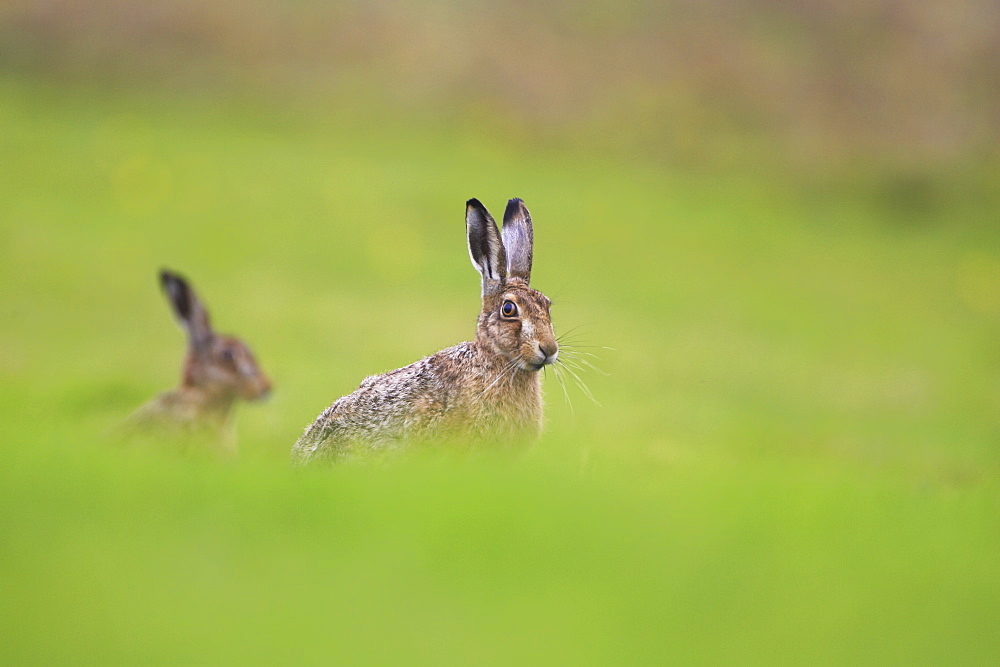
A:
[548,353]
[258,389]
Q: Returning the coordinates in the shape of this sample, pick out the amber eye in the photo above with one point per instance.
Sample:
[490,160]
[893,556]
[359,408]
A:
[228,356]
[508,309]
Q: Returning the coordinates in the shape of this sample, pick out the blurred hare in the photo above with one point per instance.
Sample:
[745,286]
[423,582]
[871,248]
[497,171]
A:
[487,390]
[218,370]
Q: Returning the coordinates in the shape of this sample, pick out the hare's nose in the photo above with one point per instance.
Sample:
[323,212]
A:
[263,388]
[550,350]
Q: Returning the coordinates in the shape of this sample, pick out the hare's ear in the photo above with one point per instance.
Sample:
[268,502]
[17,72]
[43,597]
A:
[518,240]
[187,307]
[485,247]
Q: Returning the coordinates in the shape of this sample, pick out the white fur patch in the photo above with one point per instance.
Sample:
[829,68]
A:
[528,329]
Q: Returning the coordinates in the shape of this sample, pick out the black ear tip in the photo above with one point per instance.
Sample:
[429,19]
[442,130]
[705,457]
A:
[177,291]
[516,210]
[515,205]
[170,278]
[167,276]
[474,203]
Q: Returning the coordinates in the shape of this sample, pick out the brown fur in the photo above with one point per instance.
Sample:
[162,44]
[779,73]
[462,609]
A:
[218,370]
[484,391]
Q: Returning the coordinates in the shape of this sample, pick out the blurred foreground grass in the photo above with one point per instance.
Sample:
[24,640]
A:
[795,456]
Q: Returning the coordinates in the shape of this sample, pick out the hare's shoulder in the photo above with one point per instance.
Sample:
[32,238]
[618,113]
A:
[173,413]
[169,406]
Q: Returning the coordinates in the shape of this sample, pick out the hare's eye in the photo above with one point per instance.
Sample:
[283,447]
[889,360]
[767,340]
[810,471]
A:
[228,356]
[508,309]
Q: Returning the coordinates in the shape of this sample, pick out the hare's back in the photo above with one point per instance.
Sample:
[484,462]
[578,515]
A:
[407,403]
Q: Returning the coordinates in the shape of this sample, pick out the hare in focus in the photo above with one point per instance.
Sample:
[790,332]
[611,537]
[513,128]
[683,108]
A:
[218,370]
[486,390]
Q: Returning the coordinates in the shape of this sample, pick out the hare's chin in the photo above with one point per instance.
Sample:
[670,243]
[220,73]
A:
[257,394]
[525,366]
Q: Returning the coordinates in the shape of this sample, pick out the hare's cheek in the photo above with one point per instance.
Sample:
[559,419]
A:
[521,334]
[510,337]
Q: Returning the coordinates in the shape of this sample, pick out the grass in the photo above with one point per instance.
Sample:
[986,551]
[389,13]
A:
[795,456]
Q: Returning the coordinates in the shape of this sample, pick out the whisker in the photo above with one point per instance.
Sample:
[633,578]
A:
[580,383]
[562,385]
[572,364]
[587,364]
[584,388]
[584,349]
[574,342]
[569,331]
[577,357]
[571,340]
[592,364]
[591,347]
[573,349]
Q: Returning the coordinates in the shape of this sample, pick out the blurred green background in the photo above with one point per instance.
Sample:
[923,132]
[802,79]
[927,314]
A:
[782,217]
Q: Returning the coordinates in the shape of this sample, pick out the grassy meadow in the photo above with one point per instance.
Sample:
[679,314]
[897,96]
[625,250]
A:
[793,457]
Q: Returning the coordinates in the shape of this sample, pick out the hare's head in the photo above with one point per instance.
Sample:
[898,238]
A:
[221,366]
[514,322]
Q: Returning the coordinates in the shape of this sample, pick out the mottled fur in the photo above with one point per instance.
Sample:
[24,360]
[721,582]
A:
[218,370]
[484,391]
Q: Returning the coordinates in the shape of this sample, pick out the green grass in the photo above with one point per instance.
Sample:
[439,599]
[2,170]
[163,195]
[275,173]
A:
[795,457]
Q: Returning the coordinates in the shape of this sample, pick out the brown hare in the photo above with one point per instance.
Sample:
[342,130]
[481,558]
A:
[218,370]
[486,390]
